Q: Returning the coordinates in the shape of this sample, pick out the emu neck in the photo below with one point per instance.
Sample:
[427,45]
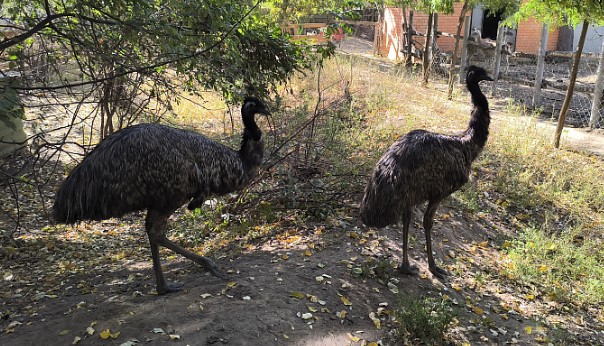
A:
[252,149]
[478,129]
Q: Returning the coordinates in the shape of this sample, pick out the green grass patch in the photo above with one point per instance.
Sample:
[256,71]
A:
[423,321]
[566,266]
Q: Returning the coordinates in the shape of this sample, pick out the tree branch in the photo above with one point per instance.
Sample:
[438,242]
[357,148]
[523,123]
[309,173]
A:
[38,27]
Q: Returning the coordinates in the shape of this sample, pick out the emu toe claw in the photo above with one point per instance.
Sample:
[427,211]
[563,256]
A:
[439,272]
[407,269]
[211,267]
[169,288]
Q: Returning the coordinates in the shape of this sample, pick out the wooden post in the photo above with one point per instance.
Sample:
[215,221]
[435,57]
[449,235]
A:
[400,48]
[595,104]
[434,34]
[409,39]
[540,66]
[500,38]
[427,44]
[451,80]
[464,50]
[571,85]
[377,35]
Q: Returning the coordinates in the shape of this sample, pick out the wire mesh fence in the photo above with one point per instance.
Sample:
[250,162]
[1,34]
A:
[517,81]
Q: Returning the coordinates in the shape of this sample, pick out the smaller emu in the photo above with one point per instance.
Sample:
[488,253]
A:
[159,168]
[424,166]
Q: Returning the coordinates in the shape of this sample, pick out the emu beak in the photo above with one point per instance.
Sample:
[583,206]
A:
[263,111]
[487,78]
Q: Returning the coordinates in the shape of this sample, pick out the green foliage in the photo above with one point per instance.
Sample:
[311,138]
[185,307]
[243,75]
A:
[224,46]
[560,12]
[10,104]
[424,320]
[566,266]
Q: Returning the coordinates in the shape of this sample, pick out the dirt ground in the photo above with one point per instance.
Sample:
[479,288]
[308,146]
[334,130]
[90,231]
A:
[305,284]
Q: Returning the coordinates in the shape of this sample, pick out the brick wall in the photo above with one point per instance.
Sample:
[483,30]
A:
[528,36]
[392,30]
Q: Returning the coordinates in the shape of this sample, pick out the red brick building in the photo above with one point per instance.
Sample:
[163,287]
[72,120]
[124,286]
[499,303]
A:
[524,39]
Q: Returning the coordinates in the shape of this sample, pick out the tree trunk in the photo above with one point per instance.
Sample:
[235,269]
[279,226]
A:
[409,47]
[498,46]
[464,50]
[427,45]
[403,41]
[595,106]
[462,16]
[540,66]
[282,19]
[571,85]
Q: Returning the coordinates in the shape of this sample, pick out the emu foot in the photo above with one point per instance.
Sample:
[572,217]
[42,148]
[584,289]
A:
[439,272]
[210,266]
[169,288]
[408,269]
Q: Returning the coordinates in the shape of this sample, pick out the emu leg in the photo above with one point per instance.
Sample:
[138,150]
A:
[428,222]
[204,261]
[155,225]
[405,267]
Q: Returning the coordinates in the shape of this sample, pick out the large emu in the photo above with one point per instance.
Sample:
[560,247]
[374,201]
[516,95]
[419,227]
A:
[424,166]
[159,168]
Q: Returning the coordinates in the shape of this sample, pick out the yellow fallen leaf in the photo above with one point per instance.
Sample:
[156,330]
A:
[312,309]
[528,330]
[373,343]
[456,287]
[284,257]
[507,244]
[543,268]
[105,334]
[312,298]
[345,301]
[530,297]
[64,332]
[307,253]
[478,310]
[292,239]
[231,284]
[341,314]
[115,335]
[376,321]
[354,235]
[541,339]
[297,295]
[484,244]
[353,338]
[76,340]
[90,330]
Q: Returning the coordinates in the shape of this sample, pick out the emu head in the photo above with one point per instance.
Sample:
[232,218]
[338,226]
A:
[251,107]
[477,74]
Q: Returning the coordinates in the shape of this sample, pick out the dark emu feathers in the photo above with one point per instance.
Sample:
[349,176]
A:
[425,166]
[159,168]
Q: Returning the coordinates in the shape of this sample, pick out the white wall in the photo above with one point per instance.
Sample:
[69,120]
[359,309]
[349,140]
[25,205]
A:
[593,40]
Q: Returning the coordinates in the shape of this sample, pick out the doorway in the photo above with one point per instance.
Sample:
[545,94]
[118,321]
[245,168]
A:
[490,21]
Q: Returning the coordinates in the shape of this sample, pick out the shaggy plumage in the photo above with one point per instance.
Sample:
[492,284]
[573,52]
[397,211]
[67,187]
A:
[159,168]
[424,166]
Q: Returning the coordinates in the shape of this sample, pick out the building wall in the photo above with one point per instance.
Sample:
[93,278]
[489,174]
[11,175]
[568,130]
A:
[528,36]
[593,39]
[528,33]
[392,30]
